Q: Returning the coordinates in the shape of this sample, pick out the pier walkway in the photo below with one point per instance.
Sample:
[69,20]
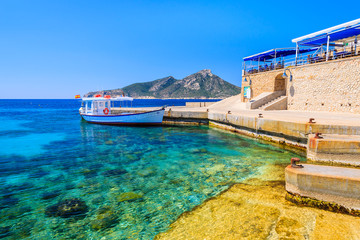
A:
[346,119]
[281,126]
[331,118]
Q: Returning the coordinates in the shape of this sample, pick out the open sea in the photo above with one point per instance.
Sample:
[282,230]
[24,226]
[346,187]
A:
[63,178]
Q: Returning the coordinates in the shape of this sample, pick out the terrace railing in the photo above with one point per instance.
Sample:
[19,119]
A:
[302,59]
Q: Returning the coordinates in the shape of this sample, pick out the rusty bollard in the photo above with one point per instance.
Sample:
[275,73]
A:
[294,162]
[318,135]
[260,115]
[311,120]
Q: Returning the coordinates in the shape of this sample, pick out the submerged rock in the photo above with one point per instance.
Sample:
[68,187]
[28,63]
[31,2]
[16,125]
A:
[128,196]
[23,229]
[114,172]
[9,190]
[146,172]
[96,166]
[97,200]
[244,144]
[215,168]
[129,158]
[8,202]
[106,218]
[67,208]
[69,186]
[5,231]
[57,178]
[109,142]
[89,173]
[50,195]
[15,212]
[38,174]
[199,150]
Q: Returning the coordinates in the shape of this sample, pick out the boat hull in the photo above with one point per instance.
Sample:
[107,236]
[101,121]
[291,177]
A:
[133,119]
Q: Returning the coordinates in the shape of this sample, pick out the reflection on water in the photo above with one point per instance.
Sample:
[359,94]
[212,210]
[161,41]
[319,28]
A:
[90,181]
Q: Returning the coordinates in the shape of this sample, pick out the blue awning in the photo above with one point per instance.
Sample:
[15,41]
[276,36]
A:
[278,53]
[334,36]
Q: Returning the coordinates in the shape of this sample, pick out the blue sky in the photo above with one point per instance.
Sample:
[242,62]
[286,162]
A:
[59,48]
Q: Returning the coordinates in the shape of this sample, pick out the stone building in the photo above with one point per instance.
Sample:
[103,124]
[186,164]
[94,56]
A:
[322,73]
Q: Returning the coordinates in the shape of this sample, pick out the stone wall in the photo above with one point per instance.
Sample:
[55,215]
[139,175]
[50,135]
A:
[264,82]
[332,86]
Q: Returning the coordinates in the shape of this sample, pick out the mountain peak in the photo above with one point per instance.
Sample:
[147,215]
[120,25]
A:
[205,72]
[202,84]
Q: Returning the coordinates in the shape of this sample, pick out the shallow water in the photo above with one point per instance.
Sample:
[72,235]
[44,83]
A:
[134,181]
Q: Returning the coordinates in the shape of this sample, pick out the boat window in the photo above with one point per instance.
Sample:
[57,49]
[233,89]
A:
[106,105]
[101,104]
[89,105]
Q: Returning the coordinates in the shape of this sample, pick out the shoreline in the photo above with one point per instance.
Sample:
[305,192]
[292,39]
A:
[257,209]
[284,131]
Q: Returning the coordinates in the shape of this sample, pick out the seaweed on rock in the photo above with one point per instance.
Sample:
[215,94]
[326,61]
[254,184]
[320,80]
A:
[311,202]
[106,218]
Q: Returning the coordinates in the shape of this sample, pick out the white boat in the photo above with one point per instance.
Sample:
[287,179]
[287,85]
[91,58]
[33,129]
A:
[98,110]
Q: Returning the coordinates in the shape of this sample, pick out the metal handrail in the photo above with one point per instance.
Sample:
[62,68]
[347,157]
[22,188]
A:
[302,59]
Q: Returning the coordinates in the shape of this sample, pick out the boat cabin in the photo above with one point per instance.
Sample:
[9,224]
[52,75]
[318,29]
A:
[99,105]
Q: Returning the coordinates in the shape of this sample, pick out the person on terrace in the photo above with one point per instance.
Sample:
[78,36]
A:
[334,54]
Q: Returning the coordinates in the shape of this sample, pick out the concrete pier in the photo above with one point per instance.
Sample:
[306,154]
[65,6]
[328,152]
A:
[284,127]
[338,185]
[288,127]
[332,148]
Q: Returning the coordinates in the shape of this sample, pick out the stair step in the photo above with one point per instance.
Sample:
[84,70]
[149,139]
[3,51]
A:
[270,102]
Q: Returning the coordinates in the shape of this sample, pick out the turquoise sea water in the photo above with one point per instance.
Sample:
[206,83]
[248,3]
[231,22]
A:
[131,182]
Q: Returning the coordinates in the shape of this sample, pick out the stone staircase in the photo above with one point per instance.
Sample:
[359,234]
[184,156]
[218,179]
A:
[279,103]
